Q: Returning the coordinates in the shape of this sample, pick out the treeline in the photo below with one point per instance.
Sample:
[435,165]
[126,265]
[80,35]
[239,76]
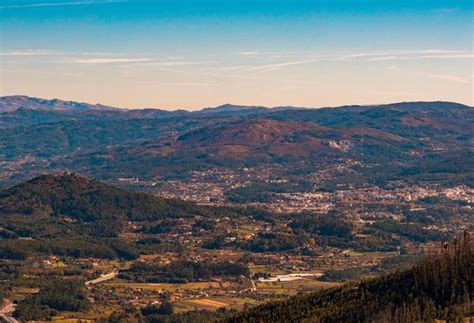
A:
[331,224]
[263,192]
[411,231]
[194,316]
[8,271]
[386,266]
[297,241]
[89,201]
[334,230]
[164,313]
[331,230]
[183,271]
[441,287]
[261,242]
[94,208]
[75,248]
[54,296]
[273,242]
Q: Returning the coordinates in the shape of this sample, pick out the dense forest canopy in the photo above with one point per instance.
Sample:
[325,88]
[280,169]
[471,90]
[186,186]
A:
[440,287]
[82,200]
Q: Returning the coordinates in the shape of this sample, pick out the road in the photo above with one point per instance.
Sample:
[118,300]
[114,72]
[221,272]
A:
[254,287]
[103,278]
[7,310]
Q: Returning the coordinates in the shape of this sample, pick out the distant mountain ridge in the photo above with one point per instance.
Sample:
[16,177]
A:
[15,102]
[226,108]
[112,143]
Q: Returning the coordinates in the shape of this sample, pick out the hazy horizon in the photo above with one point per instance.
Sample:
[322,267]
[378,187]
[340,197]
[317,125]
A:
[194,109]
[189,55]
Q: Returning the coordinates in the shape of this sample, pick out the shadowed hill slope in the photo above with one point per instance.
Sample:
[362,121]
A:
[441,287]
[108,144]
[101,208]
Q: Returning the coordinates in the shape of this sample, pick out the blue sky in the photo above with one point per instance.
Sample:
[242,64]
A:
[191,54]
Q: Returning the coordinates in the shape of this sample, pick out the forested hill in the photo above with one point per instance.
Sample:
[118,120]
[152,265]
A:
[383,142]
[441,287]
[88,201]
[84,199]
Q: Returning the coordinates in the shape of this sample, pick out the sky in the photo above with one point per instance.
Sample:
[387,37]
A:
[191,54]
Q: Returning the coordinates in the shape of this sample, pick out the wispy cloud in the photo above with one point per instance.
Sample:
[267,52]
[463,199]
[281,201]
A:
[108,60]
[123,60]
[398,54]
[293,58]
[276,54]
[28,52]
[250,53]
[385,55]
[56,4]
[177,63]
[384,58]
[424,57]
[276,66]
[450,56]
[449,78]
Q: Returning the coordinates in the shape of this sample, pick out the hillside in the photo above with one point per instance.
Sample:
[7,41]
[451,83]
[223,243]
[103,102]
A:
[255,138]
[98,209]
[405,119]
[72,216]
[397,140]
[234,144]
[262,141]
[441,287]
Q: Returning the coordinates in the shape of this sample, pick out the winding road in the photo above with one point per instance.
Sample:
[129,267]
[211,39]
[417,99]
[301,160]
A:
[103,278]
[7,310]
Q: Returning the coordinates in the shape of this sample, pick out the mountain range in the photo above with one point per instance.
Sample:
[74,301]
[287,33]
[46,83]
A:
[15,102]
[107,143]
[48,210]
